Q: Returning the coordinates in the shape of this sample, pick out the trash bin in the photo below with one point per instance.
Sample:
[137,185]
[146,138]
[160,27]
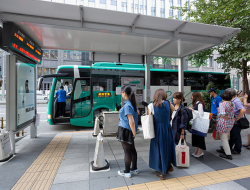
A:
[110,122]
[5,146]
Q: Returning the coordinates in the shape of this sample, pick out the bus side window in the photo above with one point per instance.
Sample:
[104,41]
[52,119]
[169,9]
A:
[58,84]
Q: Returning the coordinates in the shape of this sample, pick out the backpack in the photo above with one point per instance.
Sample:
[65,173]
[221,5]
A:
[190,117]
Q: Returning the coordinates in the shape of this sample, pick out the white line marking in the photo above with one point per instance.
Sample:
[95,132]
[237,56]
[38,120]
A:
[43,120]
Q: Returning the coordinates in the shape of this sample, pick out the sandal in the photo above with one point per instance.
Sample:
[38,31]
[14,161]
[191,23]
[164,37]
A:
[160,175]
[170,168]
[245,145]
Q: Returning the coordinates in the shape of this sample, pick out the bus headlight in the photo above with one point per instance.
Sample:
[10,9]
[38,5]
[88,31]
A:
[49,116]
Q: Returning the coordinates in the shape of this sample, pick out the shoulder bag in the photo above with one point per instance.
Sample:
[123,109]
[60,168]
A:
[147,122]
[243,123]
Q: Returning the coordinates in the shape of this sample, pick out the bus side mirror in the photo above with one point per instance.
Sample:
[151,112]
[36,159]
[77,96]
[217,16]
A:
[40,81]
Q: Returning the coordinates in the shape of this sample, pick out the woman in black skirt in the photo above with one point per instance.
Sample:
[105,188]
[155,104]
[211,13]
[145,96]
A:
[128,125]
[198,141]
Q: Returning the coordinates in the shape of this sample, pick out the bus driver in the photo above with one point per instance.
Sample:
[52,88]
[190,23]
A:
[68,88]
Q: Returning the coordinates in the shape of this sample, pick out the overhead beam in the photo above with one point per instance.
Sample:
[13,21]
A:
[135,21]
[81,15]
[179,29]
[176,35]
[162,46]
[225,38]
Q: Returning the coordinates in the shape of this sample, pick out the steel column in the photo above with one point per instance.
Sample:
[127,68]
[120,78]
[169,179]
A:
[181,75]
[147,78]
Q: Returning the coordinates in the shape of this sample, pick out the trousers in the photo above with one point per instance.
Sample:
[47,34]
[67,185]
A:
[235,141]
[225,144]
[61,108]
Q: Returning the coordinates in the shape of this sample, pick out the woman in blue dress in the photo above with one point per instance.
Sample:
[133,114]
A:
[162,147]
[128,125]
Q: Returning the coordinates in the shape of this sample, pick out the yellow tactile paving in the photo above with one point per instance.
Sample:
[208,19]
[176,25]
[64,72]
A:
[194,181]
[41,174]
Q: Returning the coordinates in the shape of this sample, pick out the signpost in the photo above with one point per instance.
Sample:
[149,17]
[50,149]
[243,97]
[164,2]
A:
[20,80]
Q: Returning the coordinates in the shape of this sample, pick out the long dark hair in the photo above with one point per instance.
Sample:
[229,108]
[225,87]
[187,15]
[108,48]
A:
[248,93]
[131,95]
[159,95]
[197,97]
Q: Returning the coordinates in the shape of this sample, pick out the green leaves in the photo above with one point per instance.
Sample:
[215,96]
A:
[234,53]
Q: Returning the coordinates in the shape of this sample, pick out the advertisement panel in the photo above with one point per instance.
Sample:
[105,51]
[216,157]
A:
[25,93]
[170,90]
[137,85]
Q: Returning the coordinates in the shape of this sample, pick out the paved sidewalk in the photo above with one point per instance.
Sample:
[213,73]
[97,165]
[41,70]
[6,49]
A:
[69,160]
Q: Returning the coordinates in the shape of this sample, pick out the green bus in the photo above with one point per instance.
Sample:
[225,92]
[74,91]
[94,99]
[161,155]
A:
[96,88]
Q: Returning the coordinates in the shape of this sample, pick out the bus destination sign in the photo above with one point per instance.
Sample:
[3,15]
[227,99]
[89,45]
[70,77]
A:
[19,42]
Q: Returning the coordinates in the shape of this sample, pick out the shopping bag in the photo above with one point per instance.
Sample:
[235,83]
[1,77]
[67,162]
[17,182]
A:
[200,124]
[147,122]
[216,135]
[182,154]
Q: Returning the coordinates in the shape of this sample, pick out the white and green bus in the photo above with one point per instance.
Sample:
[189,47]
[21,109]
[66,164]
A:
[96,88]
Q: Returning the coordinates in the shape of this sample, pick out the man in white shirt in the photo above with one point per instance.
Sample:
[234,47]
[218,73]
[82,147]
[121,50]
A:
[68,88]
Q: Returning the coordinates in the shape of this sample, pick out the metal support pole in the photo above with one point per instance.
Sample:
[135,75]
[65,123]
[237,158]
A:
[3,75]
[147,78]
[181,75]
[33,130]
[12,142]
[2,123]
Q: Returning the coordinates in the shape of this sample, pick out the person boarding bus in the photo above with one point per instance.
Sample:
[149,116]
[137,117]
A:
[61,101]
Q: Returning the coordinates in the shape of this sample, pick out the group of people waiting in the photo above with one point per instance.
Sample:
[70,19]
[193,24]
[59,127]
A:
[170,122]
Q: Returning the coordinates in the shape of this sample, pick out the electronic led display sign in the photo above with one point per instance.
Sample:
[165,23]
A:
[16,40]
[103,94]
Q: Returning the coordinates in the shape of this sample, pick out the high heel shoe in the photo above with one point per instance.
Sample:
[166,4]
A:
[200,156]
[193,154]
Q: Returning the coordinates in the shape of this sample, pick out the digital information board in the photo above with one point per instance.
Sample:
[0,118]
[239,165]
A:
[17,41]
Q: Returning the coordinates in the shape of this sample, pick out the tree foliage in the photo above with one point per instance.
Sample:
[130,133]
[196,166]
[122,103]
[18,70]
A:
[165,60]
[235,52]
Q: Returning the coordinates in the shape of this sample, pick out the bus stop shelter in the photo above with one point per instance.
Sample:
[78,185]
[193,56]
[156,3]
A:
[71,27]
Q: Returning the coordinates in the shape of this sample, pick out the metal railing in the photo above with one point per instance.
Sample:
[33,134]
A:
[2,126]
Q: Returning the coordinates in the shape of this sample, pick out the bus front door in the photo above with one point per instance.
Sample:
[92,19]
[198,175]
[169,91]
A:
[81,102]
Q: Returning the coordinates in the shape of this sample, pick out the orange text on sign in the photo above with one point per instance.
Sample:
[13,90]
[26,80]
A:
[31,47]
[19,37]
[25,52]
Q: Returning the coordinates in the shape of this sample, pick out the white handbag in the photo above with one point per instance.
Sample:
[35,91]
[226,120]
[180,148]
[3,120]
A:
[182,154]
[201,122]
[147,122]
